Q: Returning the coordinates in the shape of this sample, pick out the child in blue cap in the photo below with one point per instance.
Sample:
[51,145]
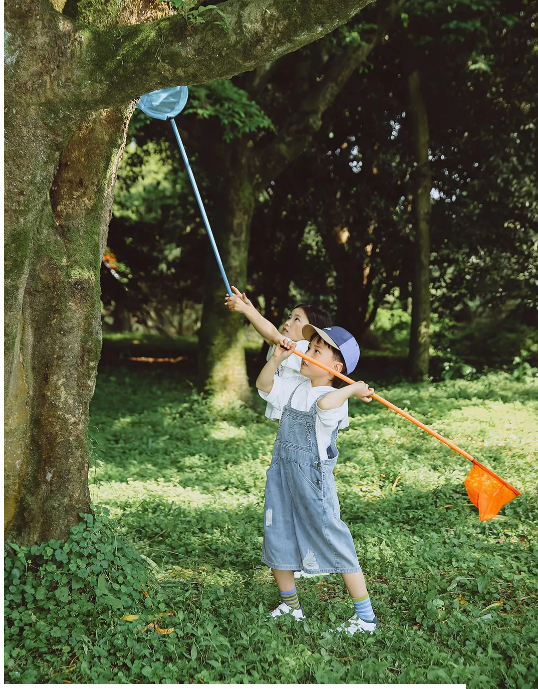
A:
[303,529]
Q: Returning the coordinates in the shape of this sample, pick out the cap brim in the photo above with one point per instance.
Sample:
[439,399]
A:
[309,330]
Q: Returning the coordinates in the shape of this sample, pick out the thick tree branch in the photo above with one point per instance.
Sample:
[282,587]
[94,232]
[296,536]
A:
[295,135]
[130,60]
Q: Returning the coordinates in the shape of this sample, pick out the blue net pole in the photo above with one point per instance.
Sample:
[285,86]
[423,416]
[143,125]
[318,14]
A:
[202,209]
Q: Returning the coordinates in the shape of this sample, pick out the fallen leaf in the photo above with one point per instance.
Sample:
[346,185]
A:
[149,626]
[130,618]
[163,631]
[496,604]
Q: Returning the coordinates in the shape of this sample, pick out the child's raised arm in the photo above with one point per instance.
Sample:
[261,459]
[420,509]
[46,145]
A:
[239,302]
[265,380]
[335,399]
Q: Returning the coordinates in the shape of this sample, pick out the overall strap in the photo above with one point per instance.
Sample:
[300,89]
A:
[288,404]
[312,408]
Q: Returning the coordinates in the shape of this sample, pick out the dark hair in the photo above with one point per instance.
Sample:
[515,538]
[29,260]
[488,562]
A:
[315,315]
[337,356]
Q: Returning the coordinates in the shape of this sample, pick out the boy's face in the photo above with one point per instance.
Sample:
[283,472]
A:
[293,327]
[320,351]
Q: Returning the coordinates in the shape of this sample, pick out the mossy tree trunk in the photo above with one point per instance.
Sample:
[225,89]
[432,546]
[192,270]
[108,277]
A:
[221,356]
[70,82]
[419,346]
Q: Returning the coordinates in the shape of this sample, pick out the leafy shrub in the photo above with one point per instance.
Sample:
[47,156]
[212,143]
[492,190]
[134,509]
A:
[487,341]
[523,371]
[454,368]
[57,593]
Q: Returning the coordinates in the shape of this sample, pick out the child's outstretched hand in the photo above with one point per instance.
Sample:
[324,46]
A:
[284,349]
[237,301]
[362,391]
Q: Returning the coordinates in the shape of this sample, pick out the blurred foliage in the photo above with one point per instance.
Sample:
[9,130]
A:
[338,221]
[483,137]
[230,105]
[156,231]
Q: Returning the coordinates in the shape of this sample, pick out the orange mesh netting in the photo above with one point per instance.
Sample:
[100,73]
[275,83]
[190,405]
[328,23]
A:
[487,491]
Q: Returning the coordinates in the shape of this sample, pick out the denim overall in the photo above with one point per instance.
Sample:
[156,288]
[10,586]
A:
[303,529]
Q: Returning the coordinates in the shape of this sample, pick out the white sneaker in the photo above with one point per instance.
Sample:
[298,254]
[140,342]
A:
[356,624]
[301,574]
[284,609]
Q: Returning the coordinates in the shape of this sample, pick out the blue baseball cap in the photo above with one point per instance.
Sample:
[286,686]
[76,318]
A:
[339,339]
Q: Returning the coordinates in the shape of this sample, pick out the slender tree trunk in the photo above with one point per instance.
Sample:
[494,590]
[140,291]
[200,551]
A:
[353,282]
[419,346]
[353,288]
[222,367]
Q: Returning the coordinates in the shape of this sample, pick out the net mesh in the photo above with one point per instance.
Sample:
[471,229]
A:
[165,103]
[487,493]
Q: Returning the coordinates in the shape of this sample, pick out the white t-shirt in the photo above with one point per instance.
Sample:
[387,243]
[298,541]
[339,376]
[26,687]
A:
[305,395]
[289,367]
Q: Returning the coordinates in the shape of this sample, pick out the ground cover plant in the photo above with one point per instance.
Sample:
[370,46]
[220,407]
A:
[164,583]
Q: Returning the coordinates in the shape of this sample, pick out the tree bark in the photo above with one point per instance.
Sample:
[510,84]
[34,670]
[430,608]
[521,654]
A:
[221,356]
[52,304]
[353,282]
[419,345]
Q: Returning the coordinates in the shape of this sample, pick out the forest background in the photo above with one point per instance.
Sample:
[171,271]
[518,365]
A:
[355,248]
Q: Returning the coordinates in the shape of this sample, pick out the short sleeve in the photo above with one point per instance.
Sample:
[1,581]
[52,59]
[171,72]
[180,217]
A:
[270,352]
[281,392]
[331,418]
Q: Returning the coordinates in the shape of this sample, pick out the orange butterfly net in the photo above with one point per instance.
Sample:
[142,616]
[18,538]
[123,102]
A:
[486,490]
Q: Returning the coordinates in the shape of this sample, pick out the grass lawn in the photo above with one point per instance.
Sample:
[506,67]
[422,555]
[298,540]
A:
[456,598]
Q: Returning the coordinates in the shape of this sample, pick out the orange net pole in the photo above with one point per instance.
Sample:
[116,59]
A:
[418,423]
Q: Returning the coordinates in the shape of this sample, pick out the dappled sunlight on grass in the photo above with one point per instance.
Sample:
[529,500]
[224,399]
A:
[224,431]
[186,480]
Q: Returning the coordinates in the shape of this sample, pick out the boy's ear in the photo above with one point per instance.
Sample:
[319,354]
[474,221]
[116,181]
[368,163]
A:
[338,366]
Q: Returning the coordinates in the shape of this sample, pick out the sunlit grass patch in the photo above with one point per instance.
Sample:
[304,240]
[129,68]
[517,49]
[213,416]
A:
[457,598]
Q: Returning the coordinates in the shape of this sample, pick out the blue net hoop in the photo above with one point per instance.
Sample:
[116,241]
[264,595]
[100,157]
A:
[165,103]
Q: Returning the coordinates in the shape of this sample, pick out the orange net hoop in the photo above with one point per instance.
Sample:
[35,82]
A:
[487,492]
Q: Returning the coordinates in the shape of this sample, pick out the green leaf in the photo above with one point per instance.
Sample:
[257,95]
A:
[102,584]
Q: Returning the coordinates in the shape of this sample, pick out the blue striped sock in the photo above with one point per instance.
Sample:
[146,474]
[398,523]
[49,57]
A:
[363,608]
[291,598]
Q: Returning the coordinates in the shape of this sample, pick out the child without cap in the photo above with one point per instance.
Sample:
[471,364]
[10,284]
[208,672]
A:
[292,329]
[302,527]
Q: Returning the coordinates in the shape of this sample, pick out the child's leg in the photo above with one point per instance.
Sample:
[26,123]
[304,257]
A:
[286,586]
[356,586]
[284,578]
